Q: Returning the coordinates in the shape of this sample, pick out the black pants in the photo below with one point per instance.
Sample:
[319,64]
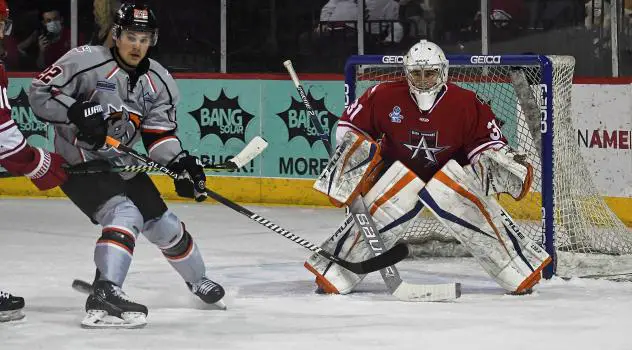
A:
[89,192]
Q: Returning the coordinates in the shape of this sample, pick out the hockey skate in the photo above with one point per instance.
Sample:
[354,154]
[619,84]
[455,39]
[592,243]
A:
[10,307]
[109,307]
[210,292]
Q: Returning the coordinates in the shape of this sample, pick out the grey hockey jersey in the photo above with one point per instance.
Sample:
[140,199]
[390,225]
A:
[141,104]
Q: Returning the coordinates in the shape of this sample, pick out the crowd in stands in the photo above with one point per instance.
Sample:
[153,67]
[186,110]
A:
[320,34]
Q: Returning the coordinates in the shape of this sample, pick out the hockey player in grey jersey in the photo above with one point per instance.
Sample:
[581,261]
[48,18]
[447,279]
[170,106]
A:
[93,92]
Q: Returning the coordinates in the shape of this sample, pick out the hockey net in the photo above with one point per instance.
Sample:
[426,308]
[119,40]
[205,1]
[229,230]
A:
[588,238]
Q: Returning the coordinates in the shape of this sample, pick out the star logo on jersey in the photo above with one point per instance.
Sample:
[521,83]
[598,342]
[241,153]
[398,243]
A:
[299,124]
[23,116]
[223,117]
[425,145]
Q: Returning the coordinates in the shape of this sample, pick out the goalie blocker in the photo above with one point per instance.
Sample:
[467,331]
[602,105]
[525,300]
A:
[454,195]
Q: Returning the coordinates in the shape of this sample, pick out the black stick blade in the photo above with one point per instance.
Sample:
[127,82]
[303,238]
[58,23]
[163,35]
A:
[391,257]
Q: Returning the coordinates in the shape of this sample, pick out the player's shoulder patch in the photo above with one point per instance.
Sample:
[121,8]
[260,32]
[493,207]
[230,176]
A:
[82,49]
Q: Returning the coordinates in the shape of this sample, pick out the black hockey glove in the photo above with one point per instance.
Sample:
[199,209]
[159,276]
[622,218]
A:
[89,119]
[192,182]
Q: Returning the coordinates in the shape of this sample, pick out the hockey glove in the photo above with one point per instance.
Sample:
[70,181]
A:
[45,169]
[192,181]
[89,119]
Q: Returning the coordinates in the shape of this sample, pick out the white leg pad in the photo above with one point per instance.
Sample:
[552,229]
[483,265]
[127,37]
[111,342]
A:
[393,203]
[454,196]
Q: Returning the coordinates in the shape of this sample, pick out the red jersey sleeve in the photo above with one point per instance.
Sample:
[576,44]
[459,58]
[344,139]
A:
[484,130]
[359,115]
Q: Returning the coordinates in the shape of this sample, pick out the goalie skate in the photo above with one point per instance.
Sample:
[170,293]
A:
[10,307]
[110,307]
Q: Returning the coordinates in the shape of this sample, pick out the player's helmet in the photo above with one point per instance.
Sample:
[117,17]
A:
[138,18]
[426,69]
[4,16]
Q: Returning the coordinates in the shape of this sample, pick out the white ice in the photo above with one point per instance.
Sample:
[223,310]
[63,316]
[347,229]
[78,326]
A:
[45,244]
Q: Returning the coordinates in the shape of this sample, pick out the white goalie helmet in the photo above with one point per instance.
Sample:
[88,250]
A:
[426,69]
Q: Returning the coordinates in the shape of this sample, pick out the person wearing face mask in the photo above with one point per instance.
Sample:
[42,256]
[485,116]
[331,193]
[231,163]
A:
[51,40]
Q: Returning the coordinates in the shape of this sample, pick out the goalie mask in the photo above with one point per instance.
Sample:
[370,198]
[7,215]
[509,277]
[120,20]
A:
[135,18]
[426,69]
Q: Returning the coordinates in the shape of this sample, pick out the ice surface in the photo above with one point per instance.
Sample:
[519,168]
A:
[45,244]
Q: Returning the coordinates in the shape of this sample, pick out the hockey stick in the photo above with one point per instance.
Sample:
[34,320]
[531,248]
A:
[248,153]
[397,253]
[400,289]
[312,115]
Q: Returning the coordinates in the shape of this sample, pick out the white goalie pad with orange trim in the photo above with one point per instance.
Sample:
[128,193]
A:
[393,203]
[503,171]
[351,170]
[453,195]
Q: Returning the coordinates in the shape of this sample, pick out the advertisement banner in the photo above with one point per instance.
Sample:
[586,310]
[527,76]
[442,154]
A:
[217,117]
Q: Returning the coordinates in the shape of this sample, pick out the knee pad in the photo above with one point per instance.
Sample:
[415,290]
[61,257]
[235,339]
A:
[118,237]
[120,213]
[170,235]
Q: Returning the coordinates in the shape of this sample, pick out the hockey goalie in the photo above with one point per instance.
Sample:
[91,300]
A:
[440,148]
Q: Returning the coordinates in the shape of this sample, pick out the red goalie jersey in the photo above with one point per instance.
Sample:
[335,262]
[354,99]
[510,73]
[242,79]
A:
[459,126]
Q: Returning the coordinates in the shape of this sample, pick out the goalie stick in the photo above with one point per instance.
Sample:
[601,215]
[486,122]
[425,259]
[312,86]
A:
[395,254]
[408,292]
[401,290]
[248,153]
[312,115]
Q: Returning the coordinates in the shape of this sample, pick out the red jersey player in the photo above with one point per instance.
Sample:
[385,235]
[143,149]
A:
[424,121]
[16,156]
[430,131]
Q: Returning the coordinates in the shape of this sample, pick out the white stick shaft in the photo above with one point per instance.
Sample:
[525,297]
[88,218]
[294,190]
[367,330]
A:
[290,69]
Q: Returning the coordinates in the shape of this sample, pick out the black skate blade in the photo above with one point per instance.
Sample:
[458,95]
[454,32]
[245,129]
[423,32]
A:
[82,286]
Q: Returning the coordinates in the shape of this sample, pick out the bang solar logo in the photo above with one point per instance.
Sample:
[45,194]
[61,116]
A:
[299,124]
[223,117]
[23,116]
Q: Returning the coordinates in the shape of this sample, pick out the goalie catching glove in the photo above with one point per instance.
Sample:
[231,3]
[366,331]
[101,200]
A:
[192,181]
[503,171]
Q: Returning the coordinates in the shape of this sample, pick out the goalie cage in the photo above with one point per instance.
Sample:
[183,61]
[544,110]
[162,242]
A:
[531,97]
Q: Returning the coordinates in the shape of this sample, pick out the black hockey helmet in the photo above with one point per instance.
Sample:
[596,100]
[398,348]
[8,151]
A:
[133,17]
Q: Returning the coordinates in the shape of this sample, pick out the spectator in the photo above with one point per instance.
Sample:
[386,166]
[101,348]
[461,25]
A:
[104,11]
[418,18]
[52,39]
[506,18]
[387,11]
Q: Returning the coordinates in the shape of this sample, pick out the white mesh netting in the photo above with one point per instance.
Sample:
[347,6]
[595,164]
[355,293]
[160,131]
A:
[589,238]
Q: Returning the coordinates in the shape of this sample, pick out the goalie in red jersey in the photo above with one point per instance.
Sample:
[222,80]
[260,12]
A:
[42,167]
[441,148]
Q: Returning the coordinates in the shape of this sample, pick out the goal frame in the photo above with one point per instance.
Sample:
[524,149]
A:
[546,122]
